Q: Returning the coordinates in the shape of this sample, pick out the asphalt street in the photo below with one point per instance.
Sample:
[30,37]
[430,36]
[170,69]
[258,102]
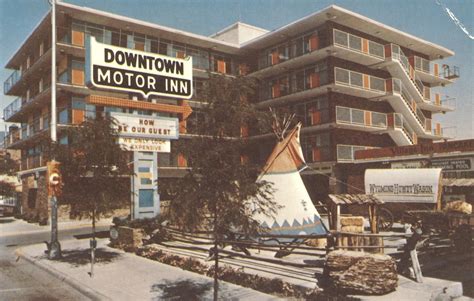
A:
[21,280]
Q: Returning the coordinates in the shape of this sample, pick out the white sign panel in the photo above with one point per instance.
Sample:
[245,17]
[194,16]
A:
[414,185]
[141,126]
[130,70]
[145,145]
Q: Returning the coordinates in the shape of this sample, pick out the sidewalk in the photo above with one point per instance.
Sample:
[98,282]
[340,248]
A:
[9,226]
[123,276]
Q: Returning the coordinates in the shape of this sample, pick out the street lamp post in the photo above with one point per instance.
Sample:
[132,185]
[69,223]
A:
[54,247]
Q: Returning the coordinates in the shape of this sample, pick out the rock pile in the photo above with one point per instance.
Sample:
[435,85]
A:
[362,273]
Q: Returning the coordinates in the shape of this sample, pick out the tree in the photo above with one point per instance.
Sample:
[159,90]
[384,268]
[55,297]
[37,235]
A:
[7,189]
[220,191]
[8,166]
[94,171]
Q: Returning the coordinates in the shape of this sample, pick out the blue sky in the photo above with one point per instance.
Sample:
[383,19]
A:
[423,18]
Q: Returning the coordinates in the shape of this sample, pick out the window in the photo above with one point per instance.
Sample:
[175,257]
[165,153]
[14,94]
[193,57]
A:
[164,45]
[64,116]
[64,140]
[41,49]
[316,147]
[145,198]
[222,64]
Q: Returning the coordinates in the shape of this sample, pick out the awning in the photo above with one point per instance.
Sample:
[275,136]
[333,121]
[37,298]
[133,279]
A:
[354,199]
[458,182]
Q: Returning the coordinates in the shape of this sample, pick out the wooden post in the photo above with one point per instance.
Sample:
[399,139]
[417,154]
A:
[416,266]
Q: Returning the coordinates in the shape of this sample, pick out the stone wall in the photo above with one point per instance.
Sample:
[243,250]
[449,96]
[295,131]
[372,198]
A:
[35,208]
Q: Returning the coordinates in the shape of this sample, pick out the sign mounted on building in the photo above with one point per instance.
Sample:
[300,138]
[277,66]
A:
[453,164]
[141,126]
[130,70]
[413,185]
[145,145]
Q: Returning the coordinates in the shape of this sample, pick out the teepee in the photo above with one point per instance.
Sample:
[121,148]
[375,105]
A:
[297,215]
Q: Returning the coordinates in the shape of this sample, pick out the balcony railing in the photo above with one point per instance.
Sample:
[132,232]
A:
[12,137]
[11,81]
[444,101]
[346,153]
[401,123]
[398,54]
[400,89]
[12,108]
[359,80]
[295,82]
[360,117]
[353,42]
[446,71]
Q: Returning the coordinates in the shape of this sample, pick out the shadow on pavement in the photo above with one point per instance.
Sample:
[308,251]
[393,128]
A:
[83,257]
[99,234]
[181,290]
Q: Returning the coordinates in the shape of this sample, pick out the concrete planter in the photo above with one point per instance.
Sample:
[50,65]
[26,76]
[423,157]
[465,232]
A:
[126,237]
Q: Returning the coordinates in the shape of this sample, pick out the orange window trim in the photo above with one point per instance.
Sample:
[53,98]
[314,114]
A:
[221,66]
[316,154]
[388,85]
[315,117]
[365,46]
[77,77]
[182,162]
[366,81]
[313,42]
[77,38]
[368,118]
[314,80]
[275,57]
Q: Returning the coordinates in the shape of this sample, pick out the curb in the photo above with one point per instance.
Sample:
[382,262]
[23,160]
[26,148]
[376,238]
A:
[82,288]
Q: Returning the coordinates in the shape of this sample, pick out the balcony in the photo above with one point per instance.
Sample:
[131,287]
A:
[18,109]
[11,81]
[346,153]
[17,81]
[358,84]
[357,49]
[290,87]
[360,119]
[12,137]
[439,103]
[346,46]
[431,72]
[12,109]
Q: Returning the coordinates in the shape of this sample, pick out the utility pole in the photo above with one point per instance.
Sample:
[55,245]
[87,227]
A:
[54,248]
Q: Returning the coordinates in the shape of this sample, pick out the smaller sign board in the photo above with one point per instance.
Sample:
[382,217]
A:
[142,126]
[145,145]
[411,185]
[453,164]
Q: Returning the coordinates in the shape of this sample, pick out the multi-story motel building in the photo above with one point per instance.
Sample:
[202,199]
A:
[353,82]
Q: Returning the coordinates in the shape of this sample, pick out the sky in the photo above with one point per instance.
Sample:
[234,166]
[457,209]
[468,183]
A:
[426,19]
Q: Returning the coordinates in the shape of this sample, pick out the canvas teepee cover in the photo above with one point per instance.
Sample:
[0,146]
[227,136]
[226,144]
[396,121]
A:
[298,216]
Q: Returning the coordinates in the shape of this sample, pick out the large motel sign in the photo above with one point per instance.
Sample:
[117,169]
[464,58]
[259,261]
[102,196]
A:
[127,70]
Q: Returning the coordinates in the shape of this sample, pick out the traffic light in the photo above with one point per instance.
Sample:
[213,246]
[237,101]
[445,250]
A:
[54,178]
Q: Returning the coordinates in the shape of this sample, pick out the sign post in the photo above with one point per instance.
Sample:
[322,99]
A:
[54,190]
[54,248]
[145,136]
